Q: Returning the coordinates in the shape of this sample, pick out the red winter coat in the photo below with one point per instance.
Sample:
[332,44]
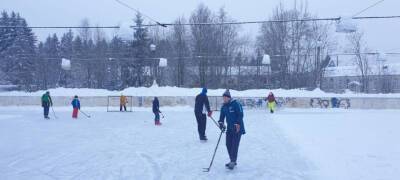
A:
[271,98]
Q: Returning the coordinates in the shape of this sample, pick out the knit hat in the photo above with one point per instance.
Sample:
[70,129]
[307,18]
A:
[227,94]
[204,91]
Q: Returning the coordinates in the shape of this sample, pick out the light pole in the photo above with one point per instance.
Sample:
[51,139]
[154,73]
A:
[154,64]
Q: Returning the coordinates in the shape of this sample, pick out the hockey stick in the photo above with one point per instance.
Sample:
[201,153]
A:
[88,116]
[54,113]
[215,122]
[215,151]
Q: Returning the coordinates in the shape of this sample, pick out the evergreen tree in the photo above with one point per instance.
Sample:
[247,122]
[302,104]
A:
[18,52]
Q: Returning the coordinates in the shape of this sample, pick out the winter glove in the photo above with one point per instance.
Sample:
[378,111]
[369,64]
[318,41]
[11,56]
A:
[222,126]
[209,114]
[237,126]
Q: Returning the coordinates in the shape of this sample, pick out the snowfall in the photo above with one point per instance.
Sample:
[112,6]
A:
[328,144]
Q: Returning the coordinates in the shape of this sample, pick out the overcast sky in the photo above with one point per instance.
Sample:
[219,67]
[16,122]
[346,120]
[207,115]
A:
[380,34]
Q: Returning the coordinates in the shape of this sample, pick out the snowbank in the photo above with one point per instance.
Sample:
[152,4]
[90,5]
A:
[176,91]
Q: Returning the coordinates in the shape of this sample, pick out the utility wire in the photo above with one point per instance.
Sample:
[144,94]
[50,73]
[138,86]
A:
[137,11]
[368,8]
[204,24]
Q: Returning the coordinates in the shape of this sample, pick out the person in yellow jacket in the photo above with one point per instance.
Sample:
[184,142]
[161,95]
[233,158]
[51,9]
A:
[122,103]
[271,102]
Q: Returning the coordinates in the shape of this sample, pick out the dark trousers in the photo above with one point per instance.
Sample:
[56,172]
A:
[232,144]
[46,110]
[156,116]
[201,124]
[120,107]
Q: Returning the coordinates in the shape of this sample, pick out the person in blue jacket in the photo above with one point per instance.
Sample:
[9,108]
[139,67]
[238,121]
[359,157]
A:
[232,111]
[76,105]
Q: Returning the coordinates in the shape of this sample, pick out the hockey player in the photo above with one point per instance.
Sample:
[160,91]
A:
[232,111]
[156,111]
[76,105]
[271,102]
[201,107]
[122,103]
[46,103]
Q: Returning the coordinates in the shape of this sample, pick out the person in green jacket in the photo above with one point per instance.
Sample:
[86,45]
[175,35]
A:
[46,103]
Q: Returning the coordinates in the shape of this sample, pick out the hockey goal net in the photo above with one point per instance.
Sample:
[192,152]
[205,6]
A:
[113,104]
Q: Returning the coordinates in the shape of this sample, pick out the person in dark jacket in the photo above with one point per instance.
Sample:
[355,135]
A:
[46,103]
[271,102]
[76,105]
[156,111]
[232,111]
[201,107]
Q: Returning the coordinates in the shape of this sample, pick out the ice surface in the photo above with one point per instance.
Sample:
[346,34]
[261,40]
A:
[290,144]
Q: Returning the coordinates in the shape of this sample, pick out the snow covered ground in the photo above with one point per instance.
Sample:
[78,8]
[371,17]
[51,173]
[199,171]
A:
[291,144]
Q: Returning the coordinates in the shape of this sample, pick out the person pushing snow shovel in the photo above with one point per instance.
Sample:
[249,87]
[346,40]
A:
[232,111]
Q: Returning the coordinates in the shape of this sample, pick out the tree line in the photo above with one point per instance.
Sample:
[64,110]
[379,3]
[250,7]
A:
[215,56]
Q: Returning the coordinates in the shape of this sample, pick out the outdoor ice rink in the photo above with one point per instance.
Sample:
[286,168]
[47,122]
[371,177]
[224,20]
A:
[328,144]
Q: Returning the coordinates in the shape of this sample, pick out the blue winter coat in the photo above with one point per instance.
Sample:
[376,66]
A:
[202,102]
[233,112]
[76,104]
[156,106]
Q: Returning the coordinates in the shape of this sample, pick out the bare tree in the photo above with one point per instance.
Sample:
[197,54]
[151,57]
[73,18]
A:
[180,42]
[295,47]
[202,40]
[85,33]
[357,46]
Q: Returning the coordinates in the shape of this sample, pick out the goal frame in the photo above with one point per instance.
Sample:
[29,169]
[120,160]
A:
[129,107]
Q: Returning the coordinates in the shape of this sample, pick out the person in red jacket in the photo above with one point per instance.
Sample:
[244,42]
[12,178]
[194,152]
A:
[271,102]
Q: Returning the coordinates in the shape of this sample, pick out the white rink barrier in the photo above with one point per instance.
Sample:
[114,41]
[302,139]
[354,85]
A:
[216,102]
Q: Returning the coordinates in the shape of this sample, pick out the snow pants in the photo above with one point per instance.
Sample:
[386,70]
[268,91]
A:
[75,113]
[271,106]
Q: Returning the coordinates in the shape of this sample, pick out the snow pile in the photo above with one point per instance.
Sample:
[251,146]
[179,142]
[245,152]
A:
[155,90]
